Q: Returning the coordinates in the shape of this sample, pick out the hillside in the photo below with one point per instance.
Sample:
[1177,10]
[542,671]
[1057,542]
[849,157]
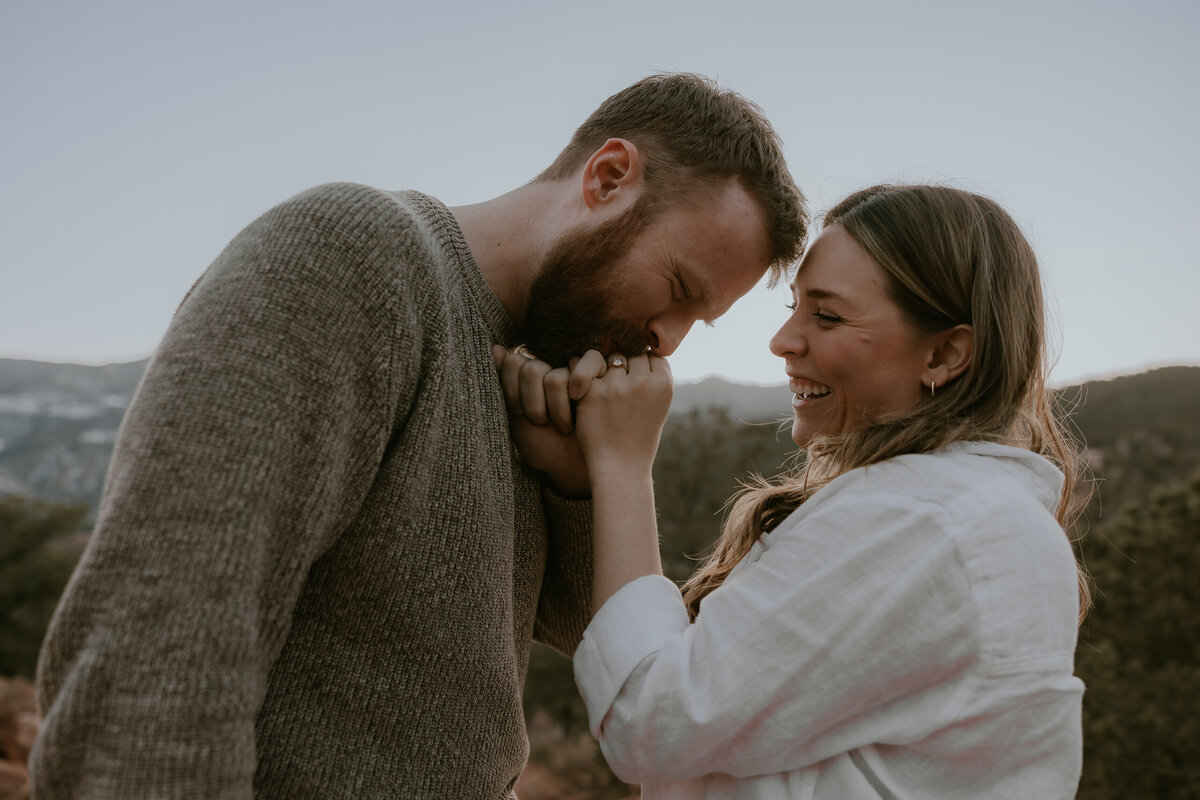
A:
[1137,652]
[1142,431]
[744,402]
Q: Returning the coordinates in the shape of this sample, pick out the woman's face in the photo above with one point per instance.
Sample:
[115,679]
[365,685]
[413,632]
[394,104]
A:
[850,352]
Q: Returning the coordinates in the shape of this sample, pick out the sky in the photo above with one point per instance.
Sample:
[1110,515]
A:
[138,138]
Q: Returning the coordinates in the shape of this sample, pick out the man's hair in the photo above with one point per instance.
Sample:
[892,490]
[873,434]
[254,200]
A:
[694,136]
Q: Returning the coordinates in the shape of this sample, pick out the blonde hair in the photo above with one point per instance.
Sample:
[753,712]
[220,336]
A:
[951,257]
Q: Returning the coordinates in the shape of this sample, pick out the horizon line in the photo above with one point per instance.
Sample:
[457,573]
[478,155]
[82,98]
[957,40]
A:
[1089,377]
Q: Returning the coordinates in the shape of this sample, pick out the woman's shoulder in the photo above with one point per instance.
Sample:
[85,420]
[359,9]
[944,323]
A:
[984,500]
[964,479]
[992,506]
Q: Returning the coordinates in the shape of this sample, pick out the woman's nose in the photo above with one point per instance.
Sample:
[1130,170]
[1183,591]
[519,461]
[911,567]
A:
[789,340]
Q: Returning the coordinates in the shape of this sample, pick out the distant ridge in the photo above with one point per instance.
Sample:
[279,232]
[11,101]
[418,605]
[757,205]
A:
[18,375]
[745,402]
[58,422]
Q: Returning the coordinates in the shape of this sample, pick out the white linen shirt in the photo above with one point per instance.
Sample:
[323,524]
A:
[908,632]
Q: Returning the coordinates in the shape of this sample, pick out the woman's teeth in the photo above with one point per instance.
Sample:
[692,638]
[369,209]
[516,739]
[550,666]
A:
[808,391]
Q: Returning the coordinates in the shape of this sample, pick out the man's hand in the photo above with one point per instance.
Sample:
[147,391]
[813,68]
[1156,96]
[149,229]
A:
[543,395]
[540,411]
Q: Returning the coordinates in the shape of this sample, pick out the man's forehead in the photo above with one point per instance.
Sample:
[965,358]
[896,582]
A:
[736,280]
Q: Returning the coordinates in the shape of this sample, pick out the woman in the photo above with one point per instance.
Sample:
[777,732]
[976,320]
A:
[896,619]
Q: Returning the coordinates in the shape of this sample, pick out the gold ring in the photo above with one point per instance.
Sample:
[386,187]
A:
[618,361]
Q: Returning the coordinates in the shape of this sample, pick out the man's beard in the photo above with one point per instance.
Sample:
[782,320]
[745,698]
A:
[573,301]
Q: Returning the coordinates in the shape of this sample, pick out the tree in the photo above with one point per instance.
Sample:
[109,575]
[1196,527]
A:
[37,555]
[1139,651]
[703,457]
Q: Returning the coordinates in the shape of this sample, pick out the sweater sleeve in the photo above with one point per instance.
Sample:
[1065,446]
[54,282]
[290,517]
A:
[250,444]
[564,606]
[855,626]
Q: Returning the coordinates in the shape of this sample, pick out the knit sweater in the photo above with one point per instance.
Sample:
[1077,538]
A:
[318,562]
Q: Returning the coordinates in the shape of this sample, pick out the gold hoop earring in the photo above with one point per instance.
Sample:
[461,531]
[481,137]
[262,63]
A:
[932,389]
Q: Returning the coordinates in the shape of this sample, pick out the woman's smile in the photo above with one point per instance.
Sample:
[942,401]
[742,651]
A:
[805,390]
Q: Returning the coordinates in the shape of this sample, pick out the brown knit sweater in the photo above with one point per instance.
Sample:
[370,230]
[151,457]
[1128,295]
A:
[318,562]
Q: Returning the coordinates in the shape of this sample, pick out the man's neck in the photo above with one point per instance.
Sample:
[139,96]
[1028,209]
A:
[509,236]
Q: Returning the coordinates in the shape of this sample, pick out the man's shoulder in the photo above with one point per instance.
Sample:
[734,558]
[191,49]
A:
[355,205]
[364,223]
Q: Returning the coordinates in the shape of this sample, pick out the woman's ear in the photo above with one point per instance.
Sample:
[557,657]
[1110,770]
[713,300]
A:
[952,352]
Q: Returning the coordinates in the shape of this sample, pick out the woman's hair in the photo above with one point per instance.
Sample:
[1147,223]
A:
[950,257]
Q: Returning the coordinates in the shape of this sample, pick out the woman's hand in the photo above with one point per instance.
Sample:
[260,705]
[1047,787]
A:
[619,423]
[621,417]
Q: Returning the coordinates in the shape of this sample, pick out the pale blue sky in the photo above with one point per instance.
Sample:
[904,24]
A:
[139,137]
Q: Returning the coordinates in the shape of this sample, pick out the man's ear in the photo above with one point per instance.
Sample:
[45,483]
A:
[951,355]
[613,175]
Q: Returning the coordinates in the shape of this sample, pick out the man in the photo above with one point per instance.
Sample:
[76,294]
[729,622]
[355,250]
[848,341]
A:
[318,563]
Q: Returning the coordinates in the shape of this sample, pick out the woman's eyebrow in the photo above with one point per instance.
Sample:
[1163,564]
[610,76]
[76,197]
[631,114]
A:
[816,294]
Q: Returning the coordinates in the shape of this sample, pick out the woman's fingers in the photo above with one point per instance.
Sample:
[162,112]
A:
[591,365]
[659,364]
[639,366]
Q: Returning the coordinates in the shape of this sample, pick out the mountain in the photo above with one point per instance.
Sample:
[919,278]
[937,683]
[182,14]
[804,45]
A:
[58,422]
[743,402]
[1142,433]
[57,426]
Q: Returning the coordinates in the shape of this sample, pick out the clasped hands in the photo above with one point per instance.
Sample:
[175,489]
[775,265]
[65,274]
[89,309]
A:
[587,420]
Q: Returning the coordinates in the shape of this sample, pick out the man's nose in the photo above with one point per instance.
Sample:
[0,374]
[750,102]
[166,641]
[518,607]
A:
[667,335]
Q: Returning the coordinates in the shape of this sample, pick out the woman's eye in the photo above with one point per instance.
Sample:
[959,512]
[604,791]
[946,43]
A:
[826,318]
[790,306]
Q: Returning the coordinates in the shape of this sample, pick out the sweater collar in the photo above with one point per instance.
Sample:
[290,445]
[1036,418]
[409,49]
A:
[450,237]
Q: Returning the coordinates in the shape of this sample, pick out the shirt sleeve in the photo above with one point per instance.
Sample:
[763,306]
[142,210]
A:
[855,626]
[251,442]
